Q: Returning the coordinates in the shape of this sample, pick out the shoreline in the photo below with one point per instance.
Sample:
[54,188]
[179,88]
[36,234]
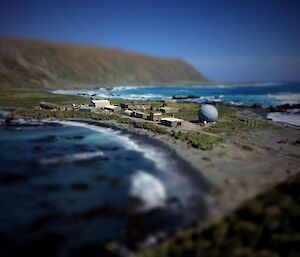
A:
[188,84]
[231,170]
[234,174]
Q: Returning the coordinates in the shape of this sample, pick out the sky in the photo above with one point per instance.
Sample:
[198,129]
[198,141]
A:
[237,40]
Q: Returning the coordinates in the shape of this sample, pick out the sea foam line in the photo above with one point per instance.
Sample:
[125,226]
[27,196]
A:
[151,153]
[71,157]
[291,98]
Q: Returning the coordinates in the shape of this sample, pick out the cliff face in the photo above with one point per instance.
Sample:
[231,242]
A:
[30,63]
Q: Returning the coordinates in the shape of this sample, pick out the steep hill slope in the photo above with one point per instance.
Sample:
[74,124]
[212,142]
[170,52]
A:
[31,63]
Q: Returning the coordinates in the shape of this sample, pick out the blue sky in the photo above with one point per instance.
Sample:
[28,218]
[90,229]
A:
[245,40]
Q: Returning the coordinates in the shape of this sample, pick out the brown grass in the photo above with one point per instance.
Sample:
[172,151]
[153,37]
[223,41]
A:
[29,63]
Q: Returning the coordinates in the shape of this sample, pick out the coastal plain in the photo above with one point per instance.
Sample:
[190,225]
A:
[240,156]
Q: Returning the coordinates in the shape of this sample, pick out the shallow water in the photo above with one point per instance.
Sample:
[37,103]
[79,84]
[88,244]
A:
[74,185]
[264,93]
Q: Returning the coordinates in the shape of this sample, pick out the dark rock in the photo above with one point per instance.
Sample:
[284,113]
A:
[100,177]
[79,186]
[100,211]
[173,200]
[283,108]
[283,141]
[46,245]
[8,121]
[47,139]
[51,188]
[77,137]
[182,97]
[43,221]
[256,105]
[45,205]
[7,177]
[128,158]
[134,203]
[116,182]
[108,148]
[92,250]
[37,148]
[80,146]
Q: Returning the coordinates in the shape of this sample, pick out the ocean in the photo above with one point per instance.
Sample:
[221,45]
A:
[69,185]
[267,94]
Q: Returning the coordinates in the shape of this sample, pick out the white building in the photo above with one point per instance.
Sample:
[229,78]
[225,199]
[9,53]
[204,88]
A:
[112,108]
[171,122]
[128,112]
[100,103]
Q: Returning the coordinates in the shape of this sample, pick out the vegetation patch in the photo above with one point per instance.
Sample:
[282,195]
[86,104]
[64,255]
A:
[198,140]
[43,114]
[247,148]
[267,226]
[31,98]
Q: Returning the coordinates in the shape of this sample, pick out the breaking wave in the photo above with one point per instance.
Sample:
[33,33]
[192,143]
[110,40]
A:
[267,94]
[148,189]
[290,98]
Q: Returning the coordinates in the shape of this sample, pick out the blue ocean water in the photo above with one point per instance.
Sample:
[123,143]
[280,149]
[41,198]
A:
[69,185]
[266,94]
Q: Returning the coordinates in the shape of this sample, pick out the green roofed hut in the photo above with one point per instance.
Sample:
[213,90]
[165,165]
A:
[87,109]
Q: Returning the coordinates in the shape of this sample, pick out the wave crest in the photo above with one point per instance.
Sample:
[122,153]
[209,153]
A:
[148,189]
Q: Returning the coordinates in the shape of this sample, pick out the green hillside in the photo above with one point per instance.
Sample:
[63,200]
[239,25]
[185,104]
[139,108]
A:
[38,64]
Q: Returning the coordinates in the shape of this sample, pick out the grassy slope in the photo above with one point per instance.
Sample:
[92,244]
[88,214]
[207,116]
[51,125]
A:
[25,98]
[267,226]
[28,63]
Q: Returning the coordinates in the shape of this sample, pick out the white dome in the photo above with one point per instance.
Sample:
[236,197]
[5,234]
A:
[208,113]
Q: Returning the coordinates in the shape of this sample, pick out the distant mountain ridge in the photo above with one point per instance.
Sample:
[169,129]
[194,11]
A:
[39,64]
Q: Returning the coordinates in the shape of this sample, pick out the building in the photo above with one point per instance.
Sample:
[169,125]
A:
[49,106]
[168,109]
[128,112]
[154,116]
[171,122]
[112,108]
[100,103]
[139,115]
[87,109]
[135,105]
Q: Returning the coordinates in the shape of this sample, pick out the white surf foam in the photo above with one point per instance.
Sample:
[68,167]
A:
[292,118]
[152,153]
[290,98]
[149,189]
[117,88]
[71,157]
